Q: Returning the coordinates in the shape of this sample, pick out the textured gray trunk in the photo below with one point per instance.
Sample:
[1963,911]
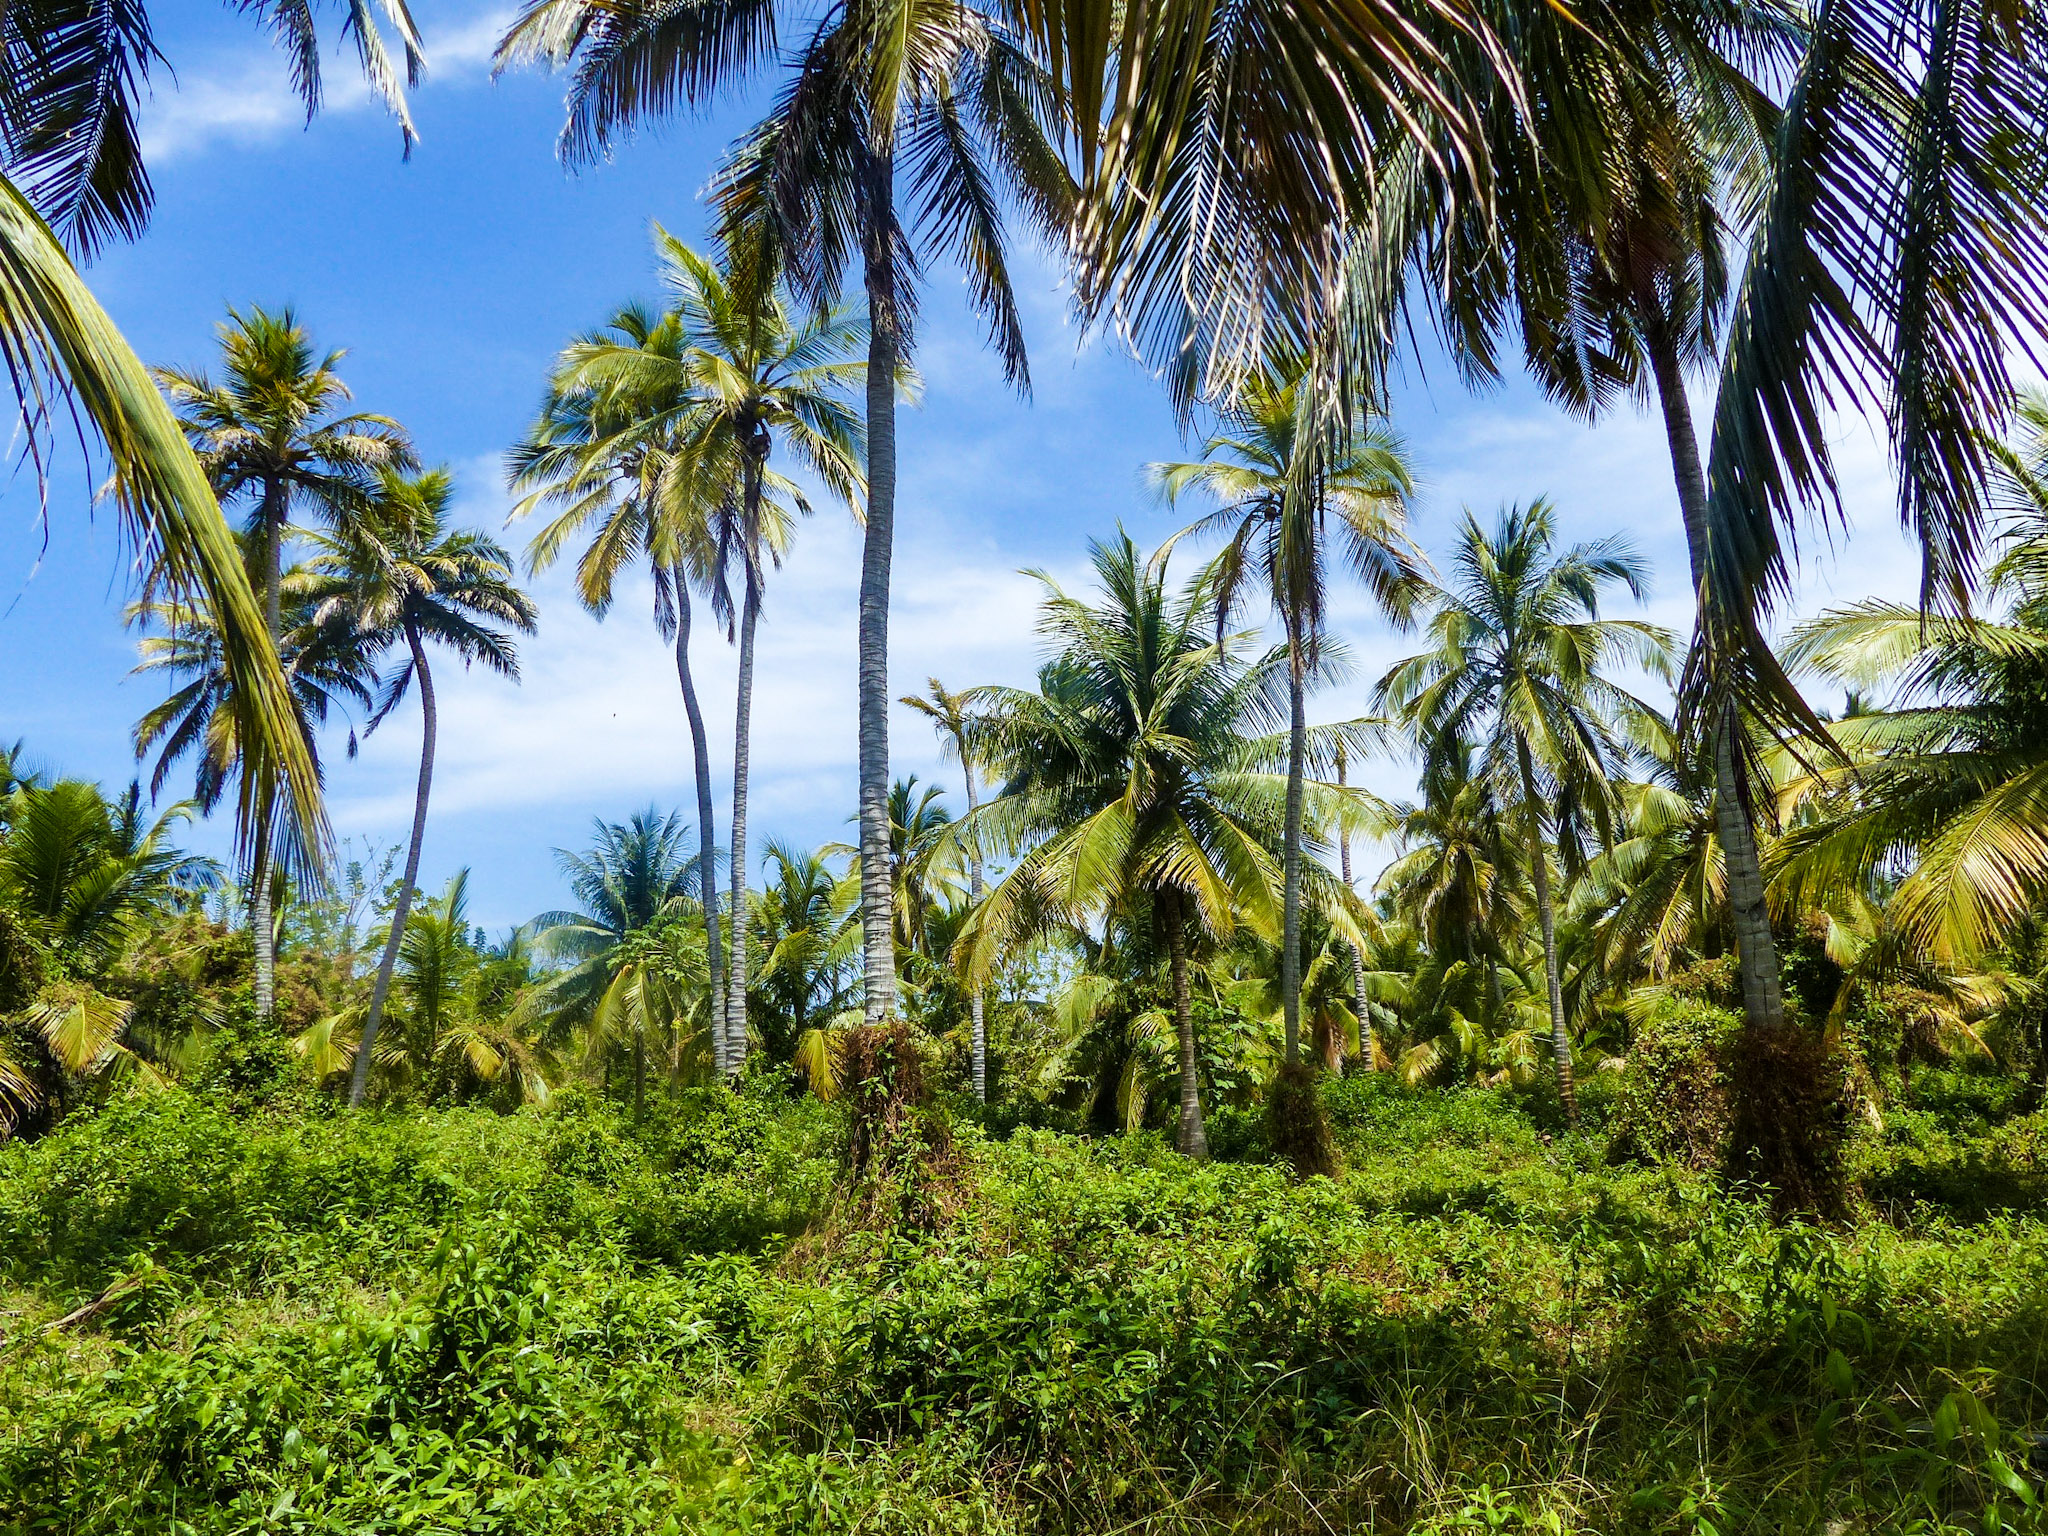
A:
[736,971]
[974,889]
[1194,1140]
[877,548]
[1756,947]
[262,921]
[359,1078]
[1546,913]
[1290,858]
[1359,1000]
[707,830]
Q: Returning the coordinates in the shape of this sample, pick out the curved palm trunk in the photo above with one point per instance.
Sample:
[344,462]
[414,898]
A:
[974,889]
[359,1078]
[1546,910]
[877,935]
[1290,857]
[1763,992]
[1194,1140]
[707,836]
[1359,1001]
[736,971]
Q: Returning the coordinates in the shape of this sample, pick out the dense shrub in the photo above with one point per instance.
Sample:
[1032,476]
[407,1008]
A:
[1674,1101]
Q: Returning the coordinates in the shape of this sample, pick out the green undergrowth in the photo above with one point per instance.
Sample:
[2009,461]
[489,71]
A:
[462,1322]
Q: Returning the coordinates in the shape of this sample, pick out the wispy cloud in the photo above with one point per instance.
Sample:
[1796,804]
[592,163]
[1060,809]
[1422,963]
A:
[245,96]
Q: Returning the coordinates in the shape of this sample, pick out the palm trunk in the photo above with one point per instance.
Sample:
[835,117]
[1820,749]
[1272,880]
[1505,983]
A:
[878,939]
[707,830]
[1763,993]
[1290,856]
[736,972]
[1194,1141]
[262,921]
[359,1078]
[1546,911]
[974,890]
[1359,1000]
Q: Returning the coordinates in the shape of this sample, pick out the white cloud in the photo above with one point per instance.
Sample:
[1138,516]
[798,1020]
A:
[245,96]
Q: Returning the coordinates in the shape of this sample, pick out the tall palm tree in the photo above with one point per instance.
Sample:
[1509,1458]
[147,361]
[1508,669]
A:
[396,573]
[760,374]
[1278,518]
[268,435]
[952,716]
[931,101]
[72,169]
[1516,669]
[1127,786]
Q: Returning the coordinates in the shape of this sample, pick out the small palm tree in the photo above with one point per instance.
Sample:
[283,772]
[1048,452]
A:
[952,716]
[268,435]
[1516,670]
[1286,486]
[1128,787]
[395,573]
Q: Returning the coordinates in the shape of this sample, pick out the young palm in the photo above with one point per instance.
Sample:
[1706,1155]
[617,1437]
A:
[1516,669]
[1282,512]
[396,573]
[932,94]
[952,716]
[1127,785]
[268,436]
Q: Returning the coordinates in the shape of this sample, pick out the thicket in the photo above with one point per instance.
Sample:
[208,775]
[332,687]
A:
[236,1310]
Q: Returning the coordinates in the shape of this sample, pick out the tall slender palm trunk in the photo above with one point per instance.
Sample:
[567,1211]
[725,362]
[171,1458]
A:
[1763,992]
[359,1078]
[975,1002]
[1546,911]
[1194,1139]
[877,549]
[1359,1000]
[736,971]
[1290,856]
[707,831]
[262,923]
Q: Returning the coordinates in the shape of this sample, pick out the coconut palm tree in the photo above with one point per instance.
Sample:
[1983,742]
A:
[396,573]
[71,166]
[1279,520]
[930,104]
[1127,786]
[1516,669]
[952,716]
[760,374]
[636,873]
[268,435]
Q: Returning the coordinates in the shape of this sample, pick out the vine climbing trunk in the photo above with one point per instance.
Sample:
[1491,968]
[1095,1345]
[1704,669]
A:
[877,549]
[359,1076]
[1194,1140]
[707,828]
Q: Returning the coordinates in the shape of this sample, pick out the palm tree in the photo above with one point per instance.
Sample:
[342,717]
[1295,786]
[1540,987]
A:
[951,716]
[1127,784]
[933,91]
[760,374]
[268,434]
[73,166]
[810,980]
[395,572]
[1516,670]
[1278,513]
[636,873]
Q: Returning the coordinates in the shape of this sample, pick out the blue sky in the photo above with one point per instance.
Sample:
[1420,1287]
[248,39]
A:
[452,280]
